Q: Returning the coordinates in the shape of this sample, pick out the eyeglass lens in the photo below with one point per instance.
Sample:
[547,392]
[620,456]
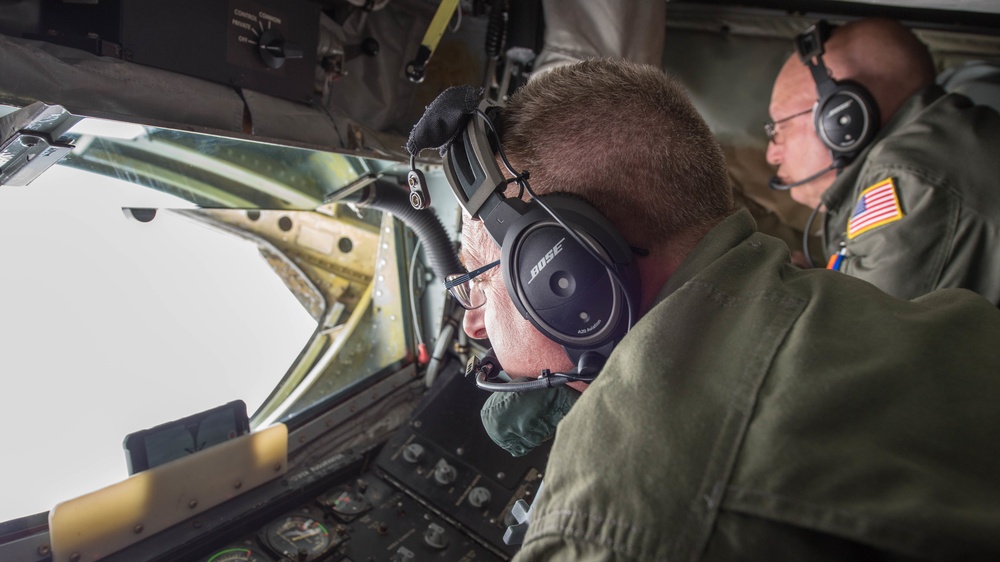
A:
[771,127]
[465,288]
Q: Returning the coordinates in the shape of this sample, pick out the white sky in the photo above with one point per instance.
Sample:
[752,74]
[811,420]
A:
[109,326]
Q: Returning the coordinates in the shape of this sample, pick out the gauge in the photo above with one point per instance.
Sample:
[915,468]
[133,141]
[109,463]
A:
[237,554]
[299,537]
[346,501]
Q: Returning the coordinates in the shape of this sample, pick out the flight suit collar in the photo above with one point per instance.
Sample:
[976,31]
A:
[726,235]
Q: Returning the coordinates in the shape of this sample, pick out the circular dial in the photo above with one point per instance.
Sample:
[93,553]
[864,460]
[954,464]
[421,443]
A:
[345,500]
[274,50]
[237,554]
[296,534]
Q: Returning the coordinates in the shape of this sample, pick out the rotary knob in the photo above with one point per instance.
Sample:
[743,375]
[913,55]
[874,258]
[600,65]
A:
[413,452]
[479,496]
[274,50]
[444,473]
[434,537]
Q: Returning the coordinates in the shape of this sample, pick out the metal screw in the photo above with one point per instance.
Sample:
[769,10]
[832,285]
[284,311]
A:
[75,557]
[193,504]
[43,550]
[500,475]
[137,529]
[277,467]
[238,484]
[196,524]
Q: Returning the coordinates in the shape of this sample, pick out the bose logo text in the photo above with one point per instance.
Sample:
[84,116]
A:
[548,257]
[840,108]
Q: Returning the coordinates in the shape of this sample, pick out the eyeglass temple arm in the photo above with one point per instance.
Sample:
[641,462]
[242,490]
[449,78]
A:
[468,276]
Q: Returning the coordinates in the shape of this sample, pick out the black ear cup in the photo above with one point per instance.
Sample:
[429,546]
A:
[846,115]
[559,286]
[847,118]
[566,268]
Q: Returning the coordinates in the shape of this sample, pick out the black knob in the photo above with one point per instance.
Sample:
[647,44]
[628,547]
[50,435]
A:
[369,46]
[274,50]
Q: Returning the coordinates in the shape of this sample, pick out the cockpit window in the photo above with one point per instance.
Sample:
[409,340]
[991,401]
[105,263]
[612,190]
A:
[212,171]
[153,274]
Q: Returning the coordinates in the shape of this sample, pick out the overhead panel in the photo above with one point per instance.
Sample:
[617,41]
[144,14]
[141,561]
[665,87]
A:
[264,45]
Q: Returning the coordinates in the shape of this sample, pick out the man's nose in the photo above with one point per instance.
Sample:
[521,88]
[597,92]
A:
[474,324]
[774,154]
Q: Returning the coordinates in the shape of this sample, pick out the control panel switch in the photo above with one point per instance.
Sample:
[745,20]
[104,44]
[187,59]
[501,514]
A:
[434,537]
[479,496]
[403,555]
[413,452]
[521,511]
[444,473]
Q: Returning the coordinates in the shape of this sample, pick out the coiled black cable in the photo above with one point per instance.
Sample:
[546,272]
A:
[496,29]
[389,197]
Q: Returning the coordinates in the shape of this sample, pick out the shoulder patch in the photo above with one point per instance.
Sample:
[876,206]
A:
[877,205]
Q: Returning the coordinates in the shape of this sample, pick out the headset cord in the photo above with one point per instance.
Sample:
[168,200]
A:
[805,235]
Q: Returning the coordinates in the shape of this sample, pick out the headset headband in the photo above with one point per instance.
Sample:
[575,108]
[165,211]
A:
[809,46]
[846,117]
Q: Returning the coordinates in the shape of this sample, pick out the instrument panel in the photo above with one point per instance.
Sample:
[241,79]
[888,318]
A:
[438,489]
[364,520]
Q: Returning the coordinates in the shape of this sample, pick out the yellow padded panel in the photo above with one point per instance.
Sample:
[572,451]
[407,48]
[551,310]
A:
[97,524]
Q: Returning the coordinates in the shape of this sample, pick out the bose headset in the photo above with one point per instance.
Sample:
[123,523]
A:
[565,267]
[845,116]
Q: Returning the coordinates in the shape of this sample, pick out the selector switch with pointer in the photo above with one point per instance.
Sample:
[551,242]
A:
[444,473]
[479,496]
[434,537]
[274,50]
[413,452]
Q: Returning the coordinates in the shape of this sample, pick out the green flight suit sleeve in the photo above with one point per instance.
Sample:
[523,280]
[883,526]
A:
[905,257]
[558,549]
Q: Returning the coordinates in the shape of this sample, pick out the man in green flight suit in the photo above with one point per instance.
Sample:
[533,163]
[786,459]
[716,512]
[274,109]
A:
[907,174]
[755,410]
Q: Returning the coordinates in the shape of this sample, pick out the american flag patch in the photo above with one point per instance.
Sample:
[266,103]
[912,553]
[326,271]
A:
[876,206]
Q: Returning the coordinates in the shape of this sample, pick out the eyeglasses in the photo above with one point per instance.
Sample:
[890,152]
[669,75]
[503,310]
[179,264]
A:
[466,289]
[771,128]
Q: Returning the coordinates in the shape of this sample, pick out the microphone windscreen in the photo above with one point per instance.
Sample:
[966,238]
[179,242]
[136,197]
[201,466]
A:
[443,118]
